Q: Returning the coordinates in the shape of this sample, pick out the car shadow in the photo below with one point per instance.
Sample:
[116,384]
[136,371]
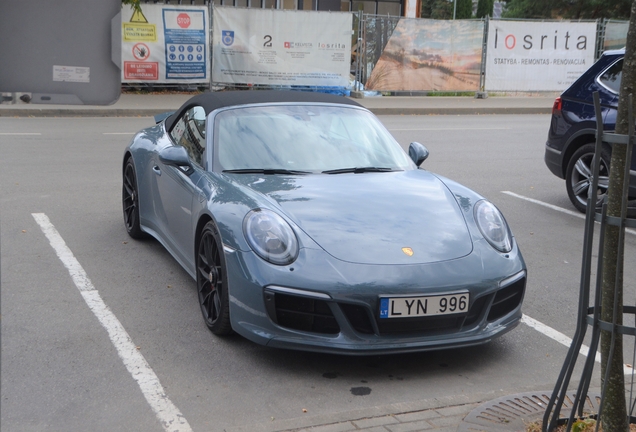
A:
[391,367]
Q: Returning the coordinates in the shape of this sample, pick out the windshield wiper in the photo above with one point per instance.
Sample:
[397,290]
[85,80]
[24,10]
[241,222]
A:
[269,171]
[359,170]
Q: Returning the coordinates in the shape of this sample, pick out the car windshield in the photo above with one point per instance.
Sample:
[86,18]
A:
[304,138]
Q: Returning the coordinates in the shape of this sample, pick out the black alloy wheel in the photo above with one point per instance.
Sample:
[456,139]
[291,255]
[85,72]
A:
[130,201]
[579,176]
[212,282]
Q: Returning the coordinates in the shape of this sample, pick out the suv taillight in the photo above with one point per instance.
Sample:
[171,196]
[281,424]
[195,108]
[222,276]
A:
[558,105]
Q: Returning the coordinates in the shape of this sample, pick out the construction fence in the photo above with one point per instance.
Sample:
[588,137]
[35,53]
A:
[220,46]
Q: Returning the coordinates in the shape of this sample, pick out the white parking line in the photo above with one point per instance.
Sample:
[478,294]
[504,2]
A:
[564,340]
[557,208]
[19,133]
[166,412]
[542,328]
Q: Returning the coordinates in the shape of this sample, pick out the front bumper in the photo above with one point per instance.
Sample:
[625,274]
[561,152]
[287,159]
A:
[334,306]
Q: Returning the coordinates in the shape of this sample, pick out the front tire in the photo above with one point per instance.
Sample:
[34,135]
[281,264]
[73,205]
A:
[130,201]
[579,176]
[212,285]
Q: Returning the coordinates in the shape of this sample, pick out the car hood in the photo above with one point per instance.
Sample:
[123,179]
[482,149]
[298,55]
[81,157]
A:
[404,217]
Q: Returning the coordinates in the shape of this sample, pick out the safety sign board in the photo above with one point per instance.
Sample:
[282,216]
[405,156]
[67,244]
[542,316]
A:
[166,44]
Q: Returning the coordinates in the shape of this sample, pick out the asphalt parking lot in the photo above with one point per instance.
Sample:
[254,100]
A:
[60,367]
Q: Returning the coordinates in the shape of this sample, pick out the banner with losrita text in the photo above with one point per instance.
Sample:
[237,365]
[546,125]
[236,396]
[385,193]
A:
[165,44]
[537,56]
[281,47]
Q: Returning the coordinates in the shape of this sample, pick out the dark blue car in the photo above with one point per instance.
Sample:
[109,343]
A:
[570,146]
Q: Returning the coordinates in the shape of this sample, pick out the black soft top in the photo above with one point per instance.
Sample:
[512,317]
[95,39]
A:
[215,100]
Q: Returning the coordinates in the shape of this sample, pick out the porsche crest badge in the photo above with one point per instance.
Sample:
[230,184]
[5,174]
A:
[408,251]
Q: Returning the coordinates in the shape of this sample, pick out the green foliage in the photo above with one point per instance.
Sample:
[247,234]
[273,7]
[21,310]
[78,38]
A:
[583,425]
[484,8]
[425,9]
[531,8]
[464,9]
[437,9]
[443,9]
[581,9]
[135,4]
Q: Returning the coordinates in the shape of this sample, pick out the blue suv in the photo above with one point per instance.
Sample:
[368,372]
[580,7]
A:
[569,149]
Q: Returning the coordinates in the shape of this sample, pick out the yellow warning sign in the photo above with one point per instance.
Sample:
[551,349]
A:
[134,32]
[138,16]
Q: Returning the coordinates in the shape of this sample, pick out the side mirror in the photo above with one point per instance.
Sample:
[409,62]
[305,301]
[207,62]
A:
[418,153]
[176,156]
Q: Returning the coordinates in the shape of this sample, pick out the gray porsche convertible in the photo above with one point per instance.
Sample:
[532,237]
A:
[306,226]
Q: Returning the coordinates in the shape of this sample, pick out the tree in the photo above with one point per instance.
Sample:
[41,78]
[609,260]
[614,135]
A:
[484,8]
[426,9]
[464,9]
[531,8]
[134,4]
[581,9]
[614,415]
[437,9]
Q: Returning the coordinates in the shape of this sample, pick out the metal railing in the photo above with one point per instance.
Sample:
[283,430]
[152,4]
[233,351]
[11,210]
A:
[590,314]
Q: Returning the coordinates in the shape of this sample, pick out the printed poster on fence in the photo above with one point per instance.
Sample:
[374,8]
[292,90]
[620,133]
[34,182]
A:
[537,56]
[281,47]
[424,54]
[165,44]
[615,35]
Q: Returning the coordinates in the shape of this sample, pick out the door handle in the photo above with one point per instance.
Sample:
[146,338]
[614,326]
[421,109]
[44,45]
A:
[156,170]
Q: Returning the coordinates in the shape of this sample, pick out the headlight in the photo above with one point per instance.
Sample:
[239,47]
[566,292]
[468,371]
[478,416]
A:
[493,226]
[270,236]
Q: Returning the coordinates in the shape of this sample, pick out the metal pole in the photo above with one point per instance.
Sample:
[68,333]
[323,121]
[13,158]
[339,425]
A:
[359,49]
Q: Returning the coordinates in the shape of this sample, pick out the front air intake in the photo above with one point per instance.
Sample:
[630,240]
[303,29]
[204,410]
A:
[507,300]
[300,313]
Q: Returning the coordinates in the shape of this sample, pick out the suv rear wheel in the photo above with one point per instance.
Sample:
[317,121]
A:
[579,176]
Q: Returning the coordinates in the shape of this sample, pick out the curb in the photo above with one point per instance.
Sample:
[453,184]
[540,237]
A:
[78,112]
[145,112]
[459,111]
[448,411]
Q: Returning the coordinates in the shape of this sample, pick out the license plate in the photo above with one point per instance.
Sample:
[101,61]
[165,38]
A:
[422,306]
